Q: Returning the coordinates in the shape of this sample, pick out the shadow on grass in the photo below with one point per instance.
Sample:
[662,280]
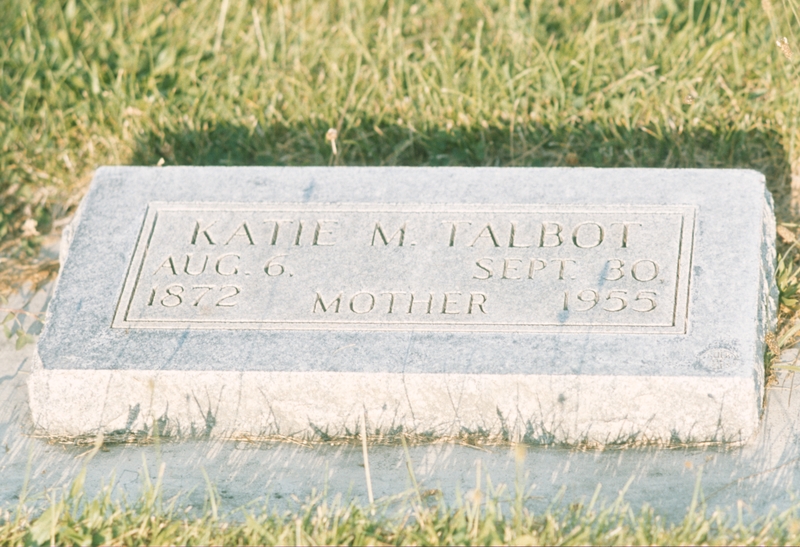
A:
[537,146]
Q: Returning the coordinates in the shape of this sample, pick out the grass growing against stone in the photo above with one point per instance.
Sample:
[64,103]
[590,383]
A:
[656,83]
[482,516]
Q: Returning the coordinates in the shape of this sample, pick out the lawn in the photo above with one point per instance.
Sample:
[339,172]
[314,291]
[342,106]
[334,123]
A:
[699,83]
[484,515]
[652,83]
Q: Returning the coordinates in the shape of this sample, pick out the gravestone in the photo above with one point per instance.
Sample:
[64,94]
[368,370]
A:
[553,305]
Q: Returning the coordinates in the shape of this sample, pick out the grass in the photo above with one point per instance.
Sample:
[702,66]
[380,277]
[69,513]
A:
[666,83]
[602,83]
[486,515]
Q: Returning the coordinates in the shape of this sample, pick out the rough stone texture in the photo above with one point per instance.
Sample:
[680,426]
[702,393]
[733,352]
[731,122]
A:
[120,352]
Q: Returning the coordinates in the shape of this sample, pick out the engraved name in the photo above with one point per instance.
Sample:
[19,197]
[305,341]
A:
[409,267]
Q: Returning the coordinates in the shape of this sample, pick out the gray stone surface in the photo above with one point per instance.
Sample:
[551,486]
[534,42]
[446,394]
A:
[549,304]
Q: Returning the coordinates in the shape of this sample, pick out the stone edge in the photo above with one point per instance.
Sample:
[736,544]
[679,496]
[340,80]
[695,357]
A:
[542,409]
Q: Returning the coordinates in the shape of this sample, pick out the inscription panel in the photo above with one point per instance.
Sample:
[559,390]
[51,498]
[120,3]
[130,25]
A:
[402,267]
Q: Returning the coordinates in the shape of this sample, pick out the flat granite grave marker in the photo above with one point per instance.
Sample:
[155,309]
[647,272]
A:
[555,305]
